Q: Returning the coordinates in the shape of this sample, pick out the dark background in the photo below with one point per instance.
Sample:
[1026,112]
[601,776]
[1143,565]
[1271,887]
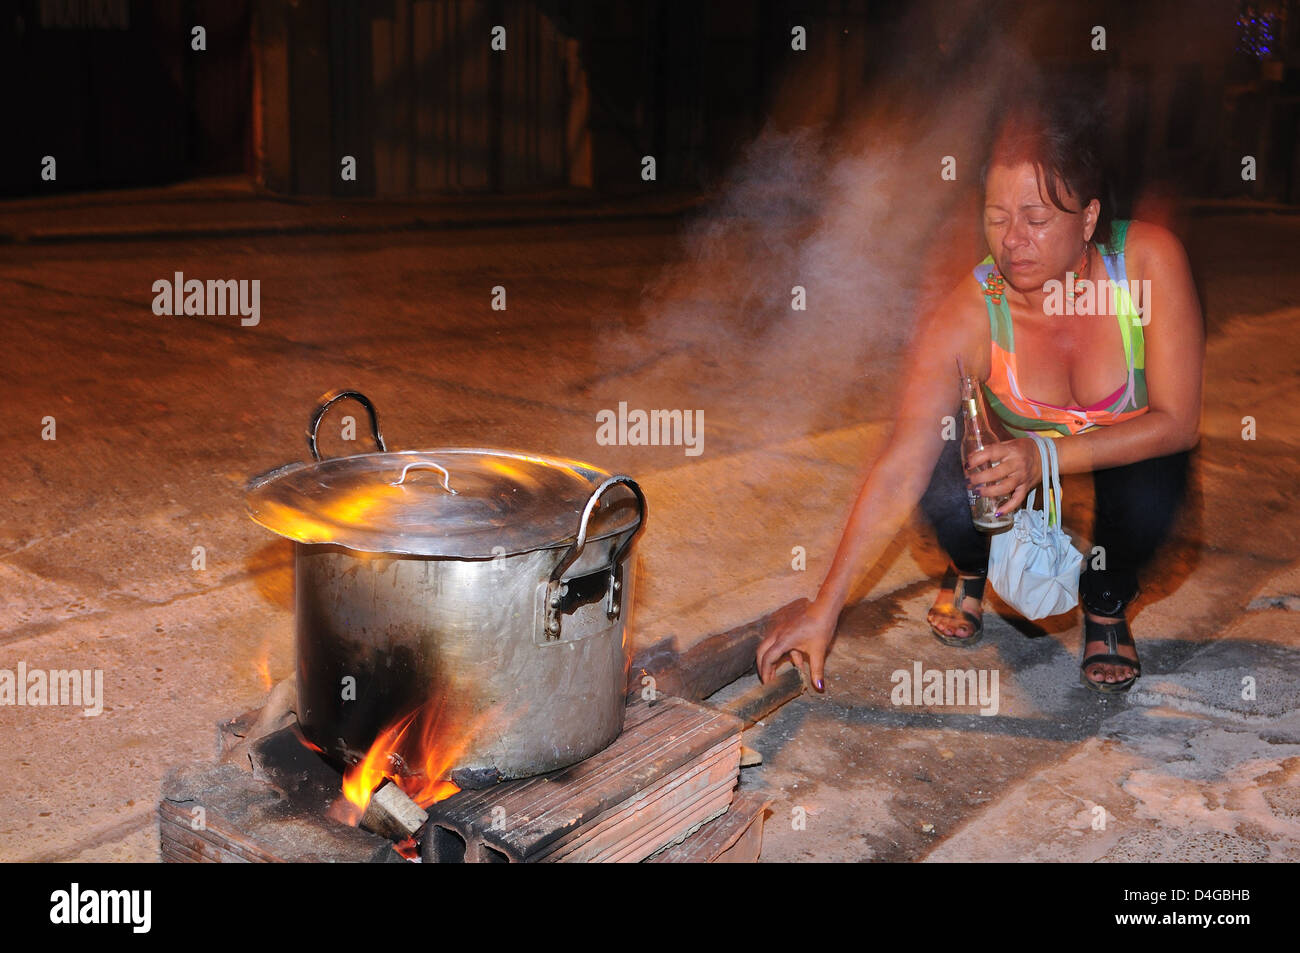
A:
[113,90]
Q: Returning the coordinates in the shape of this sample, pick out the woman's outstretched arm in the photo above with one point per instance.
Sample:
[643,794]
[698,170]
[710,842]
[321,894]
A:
[896,481]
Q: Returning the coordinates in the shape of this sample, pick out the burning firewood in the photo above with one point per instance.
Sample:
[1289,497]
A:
[392,814]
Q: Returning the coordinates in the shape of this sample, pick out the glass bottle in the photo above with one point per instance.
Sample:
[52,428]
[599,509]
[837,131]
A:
[978,435]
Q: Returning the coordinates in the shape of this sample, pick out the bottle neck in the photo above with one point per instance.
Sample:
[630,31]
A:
[970,397]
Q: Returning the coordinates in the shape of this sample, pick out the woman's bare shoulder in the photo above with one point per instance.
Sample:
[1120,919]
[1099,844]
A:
[962,305]
[1150,247]
[958,323]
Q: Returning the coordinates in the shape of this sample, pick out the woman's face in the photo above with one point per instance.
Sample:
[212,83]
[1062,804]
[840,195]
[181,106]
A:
[1032,240]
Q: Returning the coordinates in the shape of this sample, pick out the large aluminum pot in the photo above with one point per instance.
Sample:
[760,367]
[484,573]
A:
[467,607]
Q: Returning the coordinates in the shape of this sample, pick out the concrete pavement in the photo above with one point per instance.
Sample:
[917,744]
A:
[160,421]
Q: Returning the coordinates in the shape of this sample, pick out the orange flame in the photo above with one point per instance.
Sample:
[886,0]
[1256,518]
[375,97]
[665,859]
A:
[303,740]
[416,752]
[264,671]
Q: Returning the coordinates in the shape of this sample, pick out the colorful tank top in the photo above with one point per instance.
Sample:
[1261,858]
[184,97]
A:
[1020,413]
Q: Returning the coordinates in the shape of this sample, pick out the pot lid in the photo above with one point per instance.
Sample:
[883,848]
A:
[471,504]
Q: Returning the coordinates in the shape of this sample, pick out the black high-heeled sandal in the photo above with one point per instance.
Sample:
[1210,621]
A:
[1114,634]
[963,587]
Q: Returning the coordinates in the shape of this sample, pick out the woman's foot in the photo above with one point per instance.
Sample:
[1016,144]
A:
[946,617]
[1111,672]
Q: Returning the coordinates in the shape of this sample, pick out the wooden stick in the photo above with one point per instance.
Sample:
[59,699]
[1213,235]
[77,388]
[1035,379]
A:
[708,665]
[763,699]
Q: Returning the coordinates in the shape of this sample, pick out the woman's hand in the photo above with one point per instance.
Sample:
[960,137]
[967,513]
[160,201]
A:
[805,634]
[1015,469]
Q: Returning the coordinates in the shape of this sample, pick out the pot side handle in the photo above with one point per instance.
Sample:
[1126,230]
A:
[556,589]
[328,400]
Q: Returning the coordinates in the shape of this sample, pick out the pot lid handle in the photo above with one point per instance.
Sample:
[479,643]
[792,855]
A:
[426,465]
[328,400]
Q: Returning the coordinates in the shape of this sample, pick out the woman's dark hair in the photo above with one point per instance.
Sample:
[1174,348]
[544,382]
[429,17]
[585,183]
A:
[1061,136]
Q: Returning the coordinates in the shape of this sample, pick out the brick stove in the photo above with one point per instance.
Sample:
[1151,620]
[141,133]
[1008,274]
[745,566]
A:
[664,791]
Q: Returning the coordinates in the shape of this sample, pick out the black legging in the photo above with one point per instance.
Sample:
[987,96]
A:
[1135,508]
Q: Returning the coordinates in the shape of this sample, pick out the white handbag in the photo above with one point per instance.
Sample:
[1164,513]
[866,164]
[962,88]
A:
[1033,566]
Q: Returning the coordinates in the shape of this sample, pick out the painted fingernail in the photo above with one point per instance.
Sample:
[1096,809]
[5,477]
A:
[820,687]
